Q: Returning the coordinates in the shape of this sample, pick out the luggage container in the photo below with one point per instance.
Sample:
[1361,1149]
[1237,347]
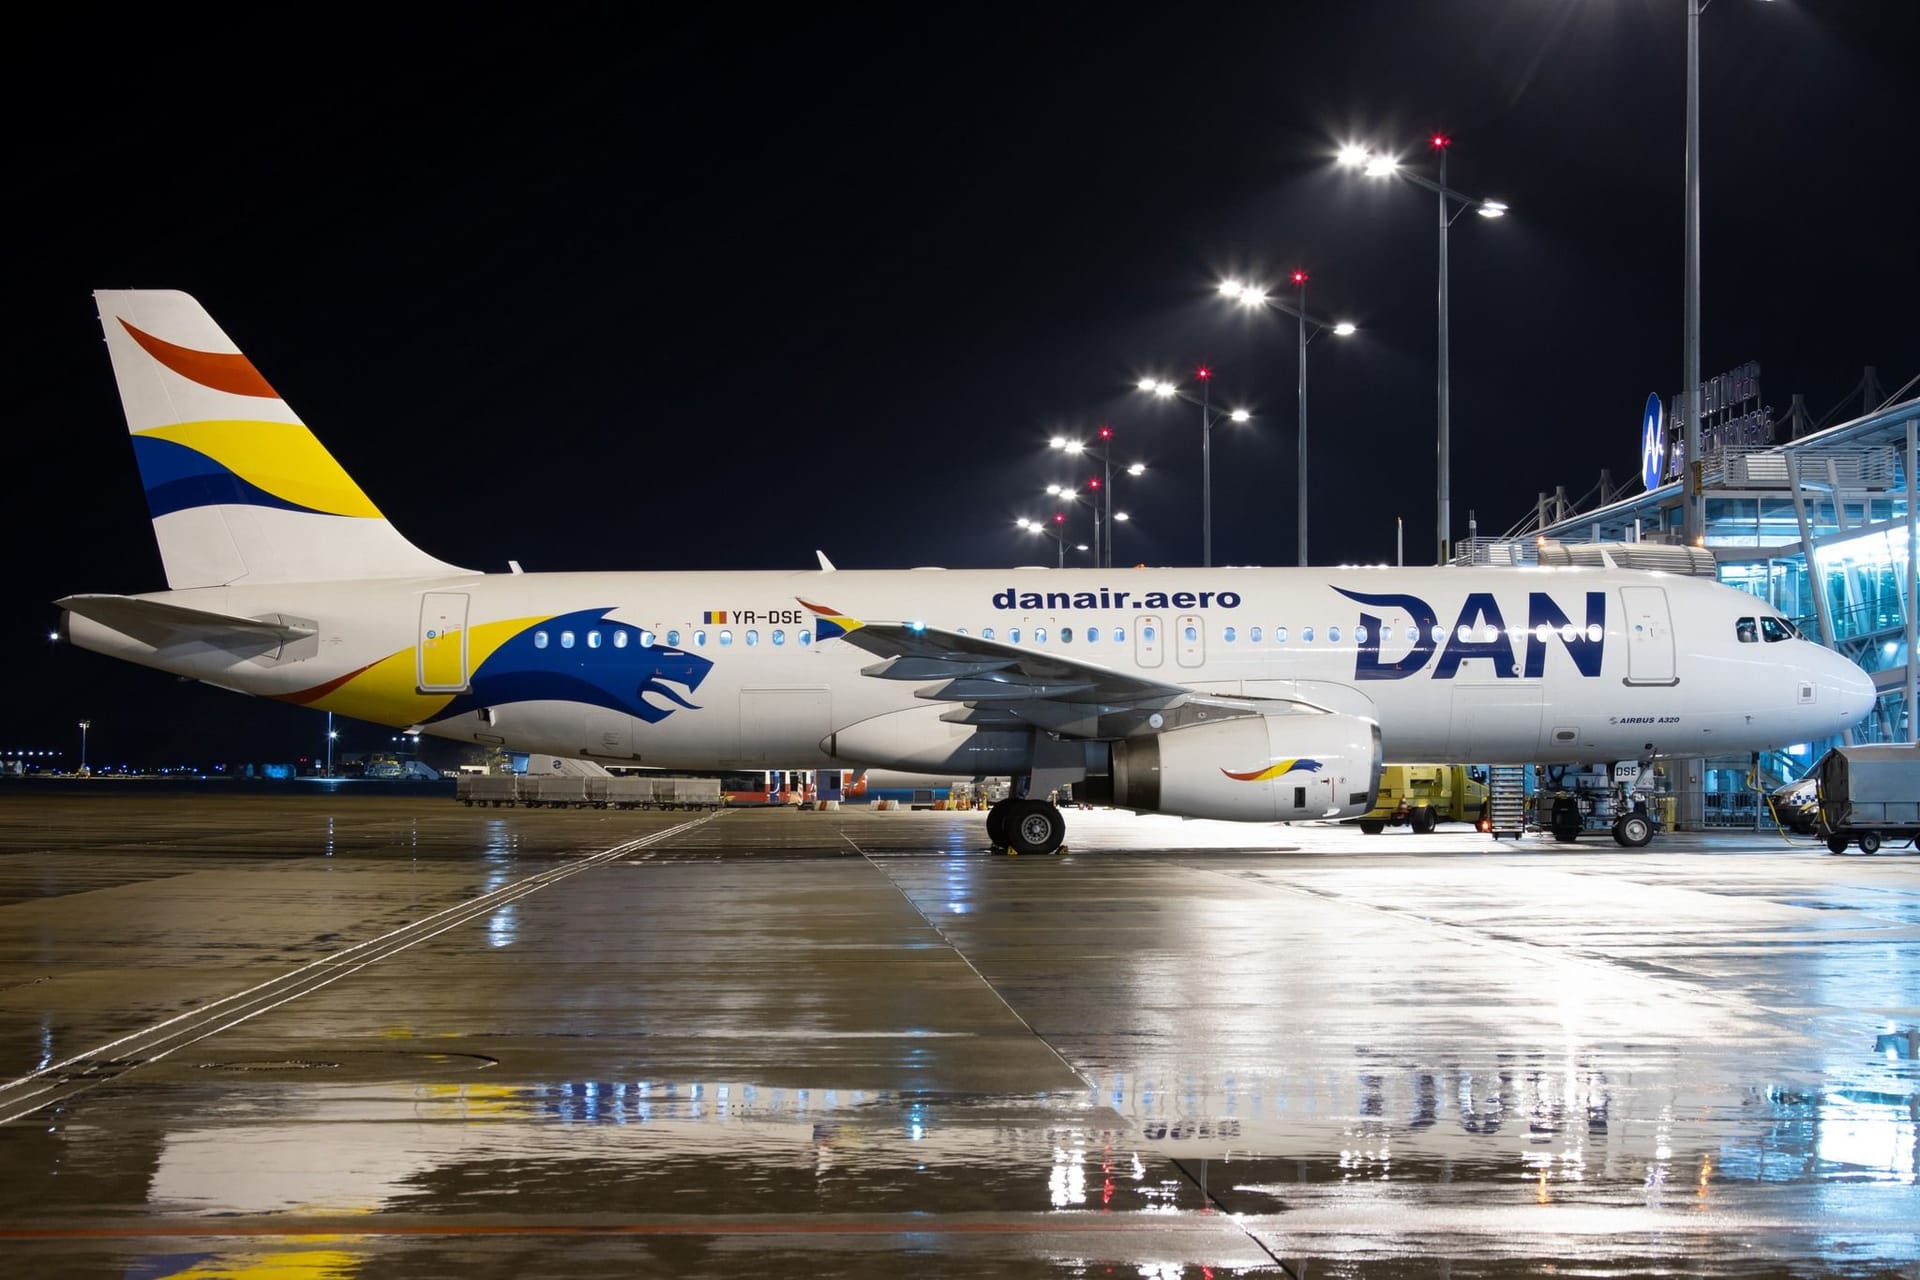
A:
[1868,794]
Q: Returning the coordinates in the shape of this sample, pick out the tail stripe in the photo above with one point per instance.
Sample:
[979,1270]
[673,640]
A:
[222,371]
[178,478]
[279,461]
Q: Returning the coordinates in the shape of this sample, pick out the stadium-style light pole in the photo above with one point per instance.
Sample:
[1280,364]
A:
[1250,296]
[331,735]
[1167,390]
[84,726]
[1380,165]
[1056,530]
[1103,515]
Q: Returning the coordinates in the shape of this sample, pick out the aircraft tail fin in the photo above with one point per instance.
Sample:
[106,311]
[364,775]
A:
[239,488]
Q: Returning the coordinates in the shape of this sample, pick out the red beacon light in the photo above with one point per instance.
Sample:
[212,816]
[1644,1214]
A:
[1203,373]
[1059,517]
[1441,141]
[1106,433]
[1300,277]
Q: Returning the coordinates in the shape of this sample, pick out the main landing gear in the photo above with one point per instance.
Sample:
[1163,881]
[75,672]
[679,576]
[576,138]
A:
[1026,826]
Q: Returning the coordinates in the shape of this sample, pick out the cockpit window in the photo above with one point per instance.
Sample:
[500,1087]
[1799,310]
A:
[1778,629]
[1749,631]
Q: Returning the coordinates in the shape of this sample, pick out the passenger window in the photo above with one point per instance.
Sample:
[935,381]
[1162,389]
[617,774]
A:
[726,639]
[753,638]
[593,639]
[1413,635]
[699,639]
[1279,635]
[1226,634]
[1066,635]
[620,639]
[1093,635]
[1119,635]
[646,639]
[673,638]
[1253,635]
[963,631]
[806,638]
[539,639]
[1594,633]
[1147,633]
[1306,635]
[566,639]
[1039,635]
[1333,635]
[1440,633]
[779,636]
[1193,633]
[1013,635]
[986,633]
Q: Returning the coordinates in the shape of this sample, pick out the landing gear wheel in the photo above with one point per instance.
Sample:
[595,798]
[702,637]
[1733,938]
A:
[1566,821]
[1034,826]
[1422,821]
[1837,844]
[1869,842]
[997,823]
[1633,831]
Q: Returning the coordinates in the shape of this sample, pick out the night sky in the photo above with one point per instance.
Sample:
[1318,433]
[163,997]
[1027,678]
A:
[709,292]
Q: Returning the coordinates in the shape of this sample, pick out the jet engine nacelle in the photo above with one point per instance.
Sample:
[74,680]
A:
[1284,767]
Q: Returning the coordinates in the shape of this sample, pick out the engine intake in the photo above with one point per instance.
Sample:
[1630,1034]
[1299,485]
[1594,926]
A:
[1290,766]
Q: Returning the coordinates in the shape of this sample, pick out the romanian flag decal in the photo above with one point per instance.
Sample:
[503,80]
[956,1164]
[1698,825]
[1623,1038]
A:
[713,616]
[1273,771]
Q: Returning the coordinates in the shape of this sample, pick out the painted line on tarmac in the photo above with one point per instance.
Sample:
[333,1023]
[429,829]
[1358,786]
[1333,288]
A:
[64,1079]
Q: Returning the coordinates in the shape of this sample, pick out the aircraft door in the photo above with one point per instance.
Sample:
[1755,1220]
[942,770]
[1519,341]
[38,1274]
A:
[1649,636]
[1190,639]
[1146,640]
[442,653]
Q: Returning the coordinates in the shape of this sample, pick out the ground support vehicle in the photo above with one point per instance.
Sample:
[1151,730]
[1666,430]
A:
[566,791]
[1868,795]
[1422,796]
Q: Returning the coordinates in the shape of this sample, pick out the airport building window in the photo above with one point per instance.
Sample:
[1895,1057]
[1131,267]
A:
[779,636]
[566,639]
[593,639]
[539,639]
[1226,634]
[673,638]
[753,638]
[726,639]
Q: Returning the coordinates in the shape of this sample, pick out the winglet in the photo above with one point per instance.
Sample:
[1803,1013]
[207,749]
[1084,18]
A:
[826,565]
[828,623]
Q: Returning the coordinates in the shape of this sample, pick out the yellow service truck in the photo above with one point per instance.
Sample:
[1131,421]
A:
[1424,795]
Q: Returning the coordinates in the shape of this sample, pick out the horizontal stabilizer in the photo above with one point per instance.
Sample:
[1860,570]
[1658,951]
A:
[162,625]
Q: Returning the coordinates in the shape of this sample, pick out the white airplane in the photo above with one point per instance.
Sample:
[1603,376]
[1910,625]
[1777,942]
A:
[1255,694]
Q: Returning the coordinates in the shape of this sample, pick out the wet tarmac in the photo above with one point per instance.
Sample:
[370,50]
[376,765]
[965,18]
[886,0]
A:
[314,1035]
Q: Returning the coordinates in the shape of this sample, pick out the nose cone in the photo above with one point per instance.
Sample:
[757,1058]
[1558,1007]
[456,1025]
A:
[1846,691]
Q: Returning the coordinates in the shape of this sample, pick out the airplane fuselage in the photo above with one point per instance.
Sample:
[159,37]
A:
[733,670]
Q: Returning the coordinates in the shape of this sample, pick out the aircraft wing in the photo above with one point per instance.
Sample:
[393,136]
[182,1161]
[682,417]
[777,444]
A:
[162,625]
[994,685]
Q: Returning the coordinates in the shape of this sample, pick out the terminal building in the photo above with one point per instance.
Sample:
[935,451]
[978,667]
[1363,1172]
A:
[1819,522]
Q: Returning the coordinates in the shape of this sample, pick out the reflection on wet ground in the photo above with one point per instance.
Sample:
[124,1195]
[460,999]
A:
[359,1036]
